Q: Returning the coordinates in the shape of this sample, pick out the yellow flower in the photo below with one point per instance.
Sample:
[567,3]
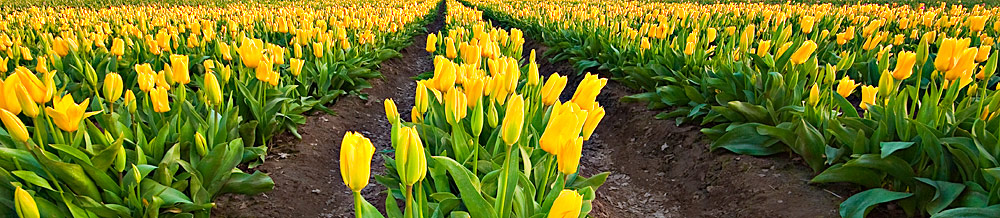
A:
[450,51]
[226,53]
[112,86]
[213,89]
[689,48]
[474,91]
[586,93]
[802,55]
[250,52]
[814,95]
[277,54]
[455,105]
[965,62]
[513,120]
[296,66]
[28,107]
[569,157]
[868,95]
[163,40]
[783,49]
[129,101]
[712,33]
[898,39]
[179,64]
[444,73]
[3,64]
[841,38]
[390,111]
[807,24]
[420,99]
[945,55]
[318,49]
[67,114]
[984,53]
[146,77]
[552,88]
[118,47]
[763,48]
[431,43]
[411,162]
[14,126]
[904,65]
[562,128]
[567,205]
[594,117]
[644,43]
[9,95]
[355,160]
[846,86]
[264,68]
[158,96]
[24,204]
[977,23]
[60,46]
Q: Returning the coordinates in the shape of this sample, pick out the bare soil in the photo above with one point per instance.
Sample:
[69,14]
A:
[658,169]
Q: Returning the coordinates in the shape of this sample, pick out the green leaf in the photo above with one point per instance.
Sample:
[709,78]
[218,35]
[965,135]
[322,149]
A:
[593,182]
[248,184]
[858,205]
[857,175]
[471,196]
[32,178]
[969,212]
[946,193]
[889,147]
[745,139]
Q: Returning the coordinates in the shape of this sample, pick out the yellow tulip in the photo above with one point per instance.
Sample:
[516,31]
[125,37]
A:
[118,47]
[163,40]
[14,126]
[763,48]
[420,99]
[355,160]
[513,120]
[984,53]
[277,54]
[567,205]
[898,39]
[28,107]
[455,105]
[179,64]
[965,62]
[67,114]
[39,91]
[783,49]
[904,65]
[533,76]
[318,49]
[474,91]
[846,86]
[411,162]
[807,24]
[112,86]
[594,117]
[450,51]
[569,157]
[841,38]
[559,130]
[145,77]
[24,204]
[586,93]
[814,95]
[977,23]
[946,53]
[868,95]
[60,46]
[711,34]
[689,48]
[226,53]
[10,87]
[213,89]
[3,64]
[250,52]
[264,69]
[391,113]
[803,53]
[129,101]
[446,76]
[161,102]
[431,43]
[553,88]
[296,66]
[644,43]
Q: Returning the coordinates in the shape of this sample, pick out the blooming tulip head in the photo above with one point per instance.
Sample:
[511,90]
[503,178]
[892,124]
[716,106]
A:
[802,55]
[868,95]
[296,66]
[67,114]
[846,86]
[355,160]
[552,88]
[250,52]
[567,205]
[904,65]
[586,93]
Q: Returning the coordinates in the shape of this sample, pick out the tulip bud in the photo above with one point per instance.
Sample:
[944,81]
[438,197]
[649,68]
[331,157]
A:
[904,65]
[112,86]
[553,88]
[532,70]
[390,111]
[586,93]
[431,43]
[212,89]
[355,160]
[295,65]
[120,158]
[450,51]
[568,204]
[179,64]
[24,204]
[28,107]
[130,101]
[868,94]
[984,53]
[802,55]
[491,115]
[411,163]
[513,120]
[689,48]
[814,95]
[807,24]
[594,117]
[118,47]
[200,144]
[14,126]
[763,48]
[455,105]
[569,156]
[476,120]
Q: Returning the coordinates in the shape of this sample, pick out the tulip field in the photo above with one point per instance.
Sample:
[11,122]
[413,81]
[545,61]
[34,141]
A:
[498,109]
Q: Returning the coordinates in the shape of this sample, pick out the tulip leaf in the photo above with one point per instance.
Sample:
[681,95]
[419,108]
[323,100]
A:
[858,205]
[74,152]
[969,212]
[946,193]
[248,184]
[32,178]
[593,182]
[845,106]
[471,196]
[857,175]
[744,139]
[889,147]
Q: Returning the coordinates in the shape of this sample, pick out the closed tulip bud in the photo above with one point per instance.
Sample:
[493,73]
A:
[802,55]
[118,47]
[946,53]
[355,160]
[60,46]
[24,204]
[179,64]
[846,86]
[42,65]
[112,86]
[416,116]
[455,105]
[129,101]
[553,88]
[560,129]
[533,76]
[644,43]
[420,99]
[263,71]
[567,205]
[491,115]
[594,117]
[763,48]
[212,89]
[904,65]
[450,51]
[431,43]
[569,157]
[295,65]
[14,126]
[824,34]
[807,24]
[224,49]
[200,144]
[158,97]
[814,95]
[783,49]
[868,94]
[984,53]
[476,120]
[689,48]
[586,93]
[711,34]
[28,107]
[411,162]
[390,111]
[513,120]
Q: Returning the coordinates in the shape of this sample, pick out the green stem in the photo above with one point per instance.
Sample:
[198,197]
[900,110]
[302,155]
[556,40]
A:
[357,204]
[409,202]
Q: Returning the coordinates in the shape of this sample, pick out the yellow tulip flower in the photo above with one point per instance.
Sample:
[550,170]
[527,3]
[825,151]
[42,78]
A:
[391,113]
[567,205]
[763,48]
[965,62]
[67,114]
[846,86]
[431,43]
[9,100]
[14,126]
[553,88]
[814,95]
[559,130]
[355,160]
[868,95]
[513,120]
[161,102]
[946,53]
[783,49]
[296,66]
[689,48]
[179,64]
[3,64]
[450,51]
[644,43]
[984,53]
[710,35]
[455,105]
[474,91]
[146,77]
[420,99]
[977,23]
[594,117]
[129,101]
[904,65]
[24,204]
[28,107]
[569,157]
[213,89]
[250,52]
[118,47]
[804,52]
[263,71]
[318,49]
[411,162]
[807,24]
[112,86]
[586,93]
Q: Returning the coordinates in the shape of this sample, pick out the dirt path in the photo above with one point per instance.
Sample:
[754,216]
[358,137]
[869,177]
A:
[306,172]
